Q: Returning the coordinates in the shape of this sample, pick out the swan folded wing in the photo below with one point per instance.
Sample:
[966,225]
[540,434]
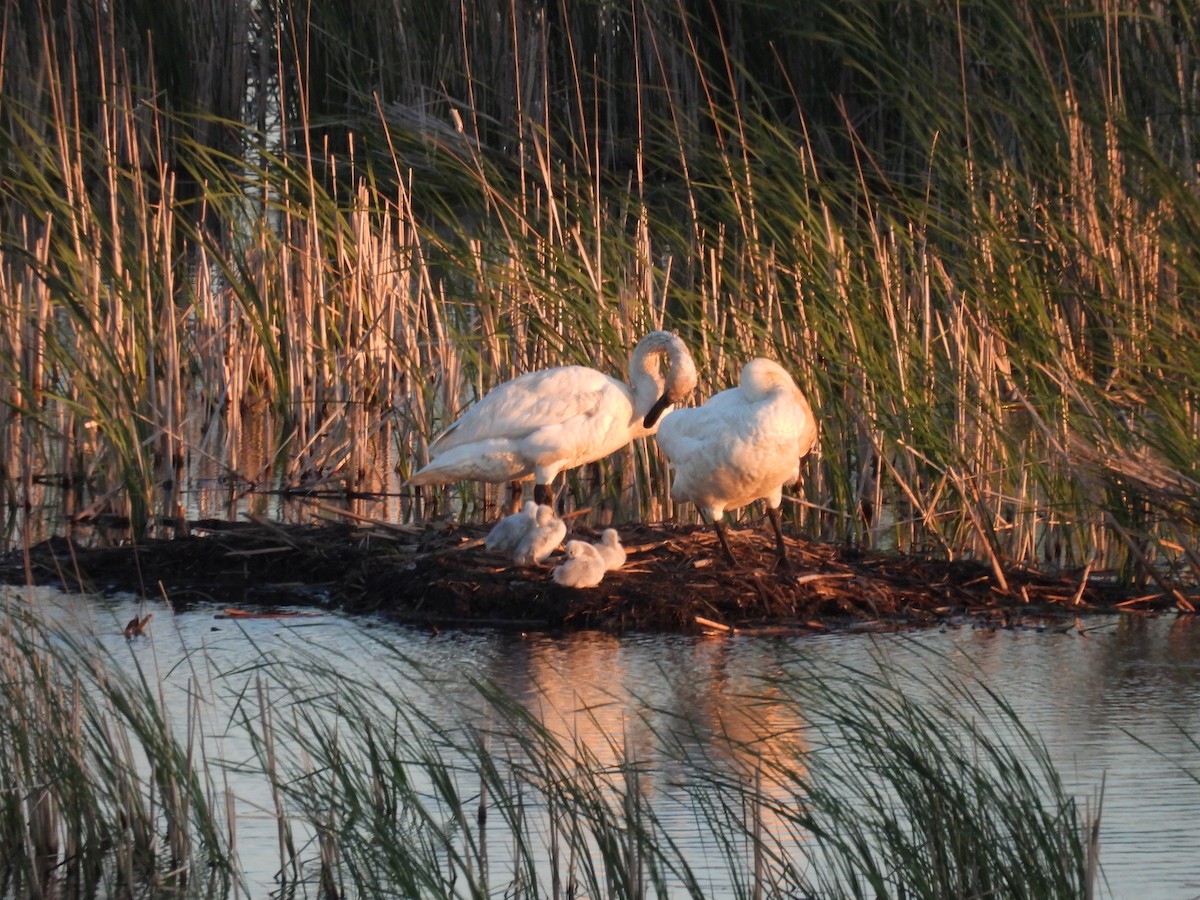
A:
[518,408]
[553,436]
[728,453]
[730,478]
[492,460]
[684,432]
[595,427]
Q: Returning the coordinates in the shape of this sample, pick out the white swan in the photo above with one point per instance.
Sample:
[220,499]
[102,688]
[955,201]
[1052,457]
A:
[583,567]
[743,445]
[542,423]
[547,533]
[610,549]
[507,533]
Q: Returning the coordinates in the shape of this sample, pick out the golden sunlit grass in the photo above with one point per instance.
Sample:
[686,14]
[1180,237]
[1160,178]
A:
[976,262]
[968,229]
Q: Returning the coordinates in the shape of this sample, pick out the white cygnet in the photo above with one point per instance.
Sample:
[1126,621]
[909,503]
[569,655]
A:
[547,533]
[583,567]
[610,549]
[507,533]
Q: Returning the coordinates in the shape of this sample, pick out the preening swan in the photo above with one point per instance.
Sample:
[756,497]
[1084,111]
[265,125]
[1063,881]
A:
[744,444]
[507,533]
[610,549]
[542,423]
[583,567]
[539,542]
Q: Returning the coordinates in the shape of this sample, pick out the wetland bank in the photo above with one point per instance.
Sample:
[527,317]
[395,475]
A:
[674,581]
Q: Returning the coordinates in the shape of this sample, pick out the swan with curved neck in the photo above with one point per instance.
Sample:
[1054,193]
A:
[546,422]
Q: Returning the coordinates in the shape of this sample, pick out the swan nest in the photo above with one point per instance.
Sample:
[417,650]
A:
[675,580]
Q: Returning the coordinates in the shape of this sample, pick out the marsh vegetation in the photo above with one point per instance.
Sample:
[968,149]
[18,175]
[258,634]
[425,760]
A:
[240,762]
[967,229]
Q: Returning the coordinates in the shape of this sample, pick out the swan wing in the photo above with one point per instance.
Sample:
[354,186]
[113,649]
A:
[518,408]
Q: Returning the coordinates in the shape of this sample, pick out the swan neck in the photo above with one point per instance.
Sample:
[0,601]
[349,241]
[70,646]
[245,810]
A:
[655,392]
[646,379]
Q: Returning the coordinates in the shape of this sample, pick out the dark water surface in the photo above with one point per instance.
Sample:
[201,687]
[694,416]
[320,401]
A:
[1114,698]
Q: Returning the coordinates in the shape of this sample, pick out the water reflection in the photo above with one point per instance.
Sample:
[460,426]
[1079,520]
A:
[1112,698]
[234,468]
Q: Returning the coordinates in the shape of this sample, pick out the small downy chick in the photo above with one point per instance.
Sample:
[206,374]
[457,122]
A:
[546,534]
[610,549]
[507,533]
[583,566]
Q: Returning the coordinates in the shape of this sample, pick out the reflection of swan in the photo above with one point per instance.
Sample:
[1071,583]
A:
[743,445]
[507,533]
[546,534]
[610,549]
[137,627]
[542,423]
[583,567]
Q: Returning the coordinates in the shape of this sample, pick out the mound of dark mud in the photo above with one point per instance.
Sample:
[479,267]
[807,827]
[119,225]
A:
[675,580]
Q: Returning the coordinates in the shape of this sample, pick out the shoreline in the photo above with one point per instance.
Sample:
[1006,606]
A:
[675,580]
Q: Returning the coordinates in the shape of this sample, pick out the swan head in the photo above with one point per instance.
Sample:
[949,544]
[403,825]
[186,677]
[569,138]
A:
[678,383]
[610,538]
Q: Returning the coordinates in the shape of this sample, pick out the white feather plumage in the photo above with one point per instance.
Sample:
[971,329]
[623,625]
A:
[610,549]
[541,540]
[508,532]
[744,444]
[542,423]
[583,566]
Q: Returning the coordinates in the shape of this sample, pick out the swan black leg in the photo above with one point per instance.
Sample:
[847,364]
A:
[719,525]
[542,495]
[780,546]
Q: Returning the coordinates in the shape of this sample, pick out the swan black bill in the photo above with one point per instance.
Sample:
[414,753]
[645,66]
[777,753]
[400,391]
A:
[656,411]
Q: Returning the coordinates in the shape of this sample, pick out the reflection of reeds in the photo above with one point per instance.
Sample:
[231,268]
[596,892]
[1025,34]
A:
[976,263]
[818,782]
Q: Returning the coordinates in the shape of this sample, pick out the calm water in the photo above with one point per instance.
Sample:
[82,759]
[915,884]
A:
[1113,698]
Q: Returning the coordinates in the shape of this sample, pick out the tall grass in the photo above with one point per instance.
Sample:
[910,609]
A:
[967,229]
[100,794]
[389,779]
